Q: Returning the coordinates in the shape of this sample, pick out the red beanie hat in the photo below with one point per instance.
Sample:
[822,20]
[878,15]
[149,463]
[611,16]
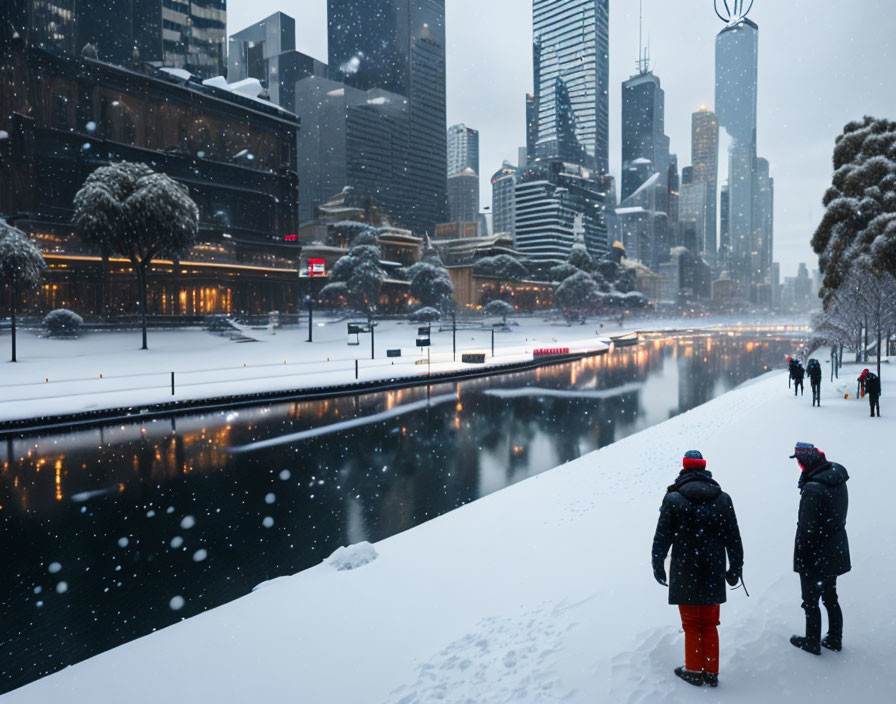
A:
[693,460]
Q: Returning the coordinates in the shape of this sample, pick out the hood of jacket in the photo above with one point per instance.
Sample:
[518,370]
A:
[830,474]
[697,486]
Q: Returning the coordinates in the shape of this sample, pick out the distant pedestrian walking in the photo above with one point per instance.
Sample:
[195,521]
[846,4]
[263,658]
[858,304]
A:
[698,522]
[791,365]
[798,374]
[860,388]
[814,371]
[872,388]
[821,548]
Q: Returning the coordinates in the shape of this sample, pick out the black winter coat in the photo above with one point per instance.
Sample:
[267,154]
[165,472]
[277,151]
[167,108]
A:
[821,546]
[872,384]
[814,375]
[697,521]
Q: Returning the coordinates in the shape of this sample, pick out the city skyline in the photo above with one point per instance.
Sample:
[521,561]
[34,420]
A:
[488,80]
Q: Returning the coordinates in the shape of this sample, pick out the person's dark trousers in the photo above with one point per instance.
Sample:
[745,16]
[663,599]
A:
[797,387]
[816,394]
[874,401]
[824,588]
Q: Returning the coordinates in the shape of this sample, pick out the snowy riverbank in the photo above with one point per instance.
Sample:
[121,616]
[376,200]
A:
[543,592]
[106,370]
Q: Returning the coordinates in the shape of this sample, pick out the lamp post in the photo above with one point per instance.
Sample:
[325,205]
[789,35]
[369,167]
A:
[309,302]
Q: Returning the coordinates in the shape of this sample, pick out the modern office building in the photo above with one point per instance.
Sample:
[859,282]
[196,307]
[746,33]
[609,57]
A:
[531,127]
[463,196]
[463,149]
[399,46]
[549,200]
[350,138]
[724,225]
[571,67]
[50,25]
[503,205]
[750,202]
[266,50]
[175,33]
[643,130]
[705,164]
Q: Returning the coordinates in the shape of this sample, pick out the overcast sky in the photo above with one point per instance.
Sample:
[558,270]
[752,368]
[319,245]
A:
[822,63]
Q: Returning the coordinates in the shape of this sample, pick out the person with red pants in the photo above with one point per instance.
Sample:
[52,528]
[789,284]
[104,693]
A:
[698,522]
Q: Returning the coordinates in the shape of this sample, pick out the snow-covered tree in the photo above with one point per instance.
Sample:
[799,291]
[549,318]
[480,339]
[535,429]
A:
[63,323]
[357,280]
[561,272]
[21,268]
[875,293]
[431,285]
[130,210]
[580,258]
[578,296]
[425,315]
[860,217]
[499,308]
[503,267]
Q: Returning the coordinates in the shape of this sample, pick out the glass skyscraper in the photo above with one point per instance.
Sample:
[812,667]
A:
[572,76]
[399,46]
[705,163]
[750,205]
[643,129]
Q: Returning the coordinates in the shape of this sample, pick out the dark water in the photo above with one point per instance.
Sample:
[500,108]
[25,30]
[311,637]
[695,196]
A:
[112,533]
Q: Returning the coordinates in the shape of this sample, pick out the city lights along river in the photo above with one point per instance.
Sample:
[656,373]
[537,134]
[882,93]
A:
[111,533]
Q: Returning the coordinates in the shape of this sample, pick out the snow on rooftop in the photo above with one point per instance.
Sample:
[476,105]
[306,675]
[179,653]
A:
[247,88]
[177,73]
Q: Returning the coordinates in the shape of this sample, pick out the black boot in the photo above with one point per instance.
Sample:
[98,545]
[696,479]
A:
[711,678]
[805,644]
[835,644]
[694,678]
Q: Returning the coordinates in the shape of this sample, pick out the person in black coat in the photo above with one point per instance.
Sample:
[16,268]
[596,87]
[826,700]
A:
[698,522]
[814,372]
[799,374]
[872,388]
[821,548]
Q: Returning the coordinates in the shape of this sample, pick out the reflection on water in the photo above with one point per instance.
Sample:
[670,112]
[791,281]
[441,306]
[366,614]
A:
[114,532]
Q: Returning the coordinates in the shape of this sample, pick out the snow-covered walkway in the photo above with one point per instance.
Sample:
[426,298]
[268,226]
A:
[543,592]
[106,370]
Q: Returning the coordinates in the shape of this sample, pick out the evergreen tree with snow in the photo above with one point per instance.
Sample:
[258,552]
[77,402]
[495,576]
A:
[859,224]
[499,308]
[357,280]
[431,285]
[578,296]
[502,267]
[21,268]
[130,210]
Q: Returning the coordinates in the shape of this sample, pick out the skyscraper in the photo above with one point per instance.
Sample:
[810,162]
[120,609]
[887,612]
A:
[266,50]
[399,46]
[503,205]
[463,196]
[572,75]
[705,163]
[643,129]
[749,213]
[463,149]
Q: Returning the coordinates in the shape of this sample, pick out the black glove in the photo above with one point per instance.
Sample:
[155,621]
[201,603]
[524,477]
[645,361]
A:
[732,577]
[659,574]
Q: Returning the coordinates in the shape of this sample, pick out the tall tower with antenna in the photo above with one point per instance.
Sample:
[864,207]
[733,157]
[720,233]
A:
[645,147]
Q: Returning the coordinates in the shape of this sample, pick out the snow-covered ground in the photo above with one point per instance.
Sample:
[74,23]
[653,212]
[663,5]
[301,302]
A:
[107,370]
[543,592]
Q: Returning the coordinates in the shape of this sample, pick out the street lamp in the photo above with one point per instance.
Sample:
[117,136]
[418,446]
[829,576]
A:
[309,303]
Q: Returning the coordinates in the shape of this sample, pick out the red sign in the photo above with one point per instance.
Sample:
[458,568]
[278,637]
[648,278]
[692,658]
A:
[317,267]
[291,238]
